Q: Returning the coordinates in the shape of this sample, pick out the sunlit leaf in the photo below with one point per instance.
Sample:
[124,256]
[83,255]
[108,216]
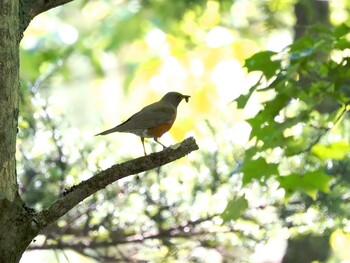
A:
[340,242]
[263,62]
[341,30]
[336,151]
[342,43]
[309,183]
[243,99]
[257,169]
[302,48]
[302,43]
[234,209]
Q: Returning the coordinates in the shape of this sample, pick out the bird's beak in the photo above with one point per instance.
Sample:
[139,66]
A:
[186,97]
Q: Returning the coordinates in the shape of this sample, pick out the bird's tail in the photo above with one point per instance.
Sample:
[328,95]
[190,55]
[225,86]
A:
[115,129]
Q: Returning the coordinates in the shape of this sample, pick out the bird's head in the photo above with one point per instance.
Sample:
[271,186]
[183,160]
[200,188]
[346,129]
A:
[175,98]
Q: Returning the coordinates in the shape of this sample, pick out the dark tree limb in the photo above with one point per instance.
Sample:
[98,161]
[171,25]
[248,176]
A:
[86,188]
[28,9]
[39,6]
[165,234]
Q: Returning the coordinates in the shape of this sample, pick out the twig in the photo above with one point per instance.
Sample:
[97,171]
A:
[324,131]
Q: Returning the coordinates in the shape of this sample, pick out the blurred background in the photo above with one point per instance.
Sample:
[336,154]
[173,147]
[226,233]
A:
[269,83]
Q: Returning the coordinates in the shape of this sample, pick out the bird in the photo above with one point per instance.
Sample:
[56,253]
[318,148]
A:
[153,120]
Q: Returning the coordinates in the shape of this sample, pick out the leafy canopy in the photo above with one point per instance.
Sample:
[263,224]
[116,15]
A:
[298,124]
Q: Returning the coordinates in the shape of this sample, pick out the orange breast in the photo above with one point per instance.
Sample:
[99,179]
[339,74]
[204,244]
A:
[159,130]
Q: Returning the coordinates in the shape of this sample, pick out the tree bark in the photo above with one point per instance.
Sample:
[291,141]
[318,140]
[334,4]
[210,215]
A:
[309,13]
[9,82]
[15,235]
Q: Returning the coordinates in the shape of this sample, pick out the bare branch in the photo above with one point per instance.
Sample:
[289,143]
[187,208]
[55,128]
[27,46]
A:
[39,6]
[140,239]
[86,188]
[172,232]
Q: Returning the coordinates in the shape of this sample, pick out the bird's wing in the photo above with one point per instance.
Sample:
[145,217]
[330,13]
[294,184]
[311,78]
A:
[150,116]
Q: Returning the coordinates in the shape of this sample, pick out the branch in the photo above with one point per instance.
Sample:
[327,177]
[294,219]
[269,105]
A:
[80,245]
[28,9]
[324,130]
[120,239]
[39,6]
[86,188]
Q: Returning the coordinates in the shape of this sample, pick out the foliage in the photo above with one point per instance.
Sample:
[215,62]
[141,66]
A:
[297,131]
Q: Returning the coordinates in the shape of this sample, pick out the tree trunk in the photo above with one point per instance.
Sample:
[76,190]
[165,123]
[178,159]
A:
[15,230]
[308,13]
[9,82]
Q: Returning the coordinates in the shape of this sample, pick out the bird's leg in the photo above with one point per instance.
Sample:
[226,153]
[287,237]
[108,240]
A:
[143,145]
[156,140]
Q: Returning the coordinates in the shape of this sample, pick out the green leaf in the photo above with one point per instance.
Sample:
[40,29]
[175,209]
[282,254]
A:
[309,183]
[302,48]
[342,43]
[257,169]
[302,53]
[336,151]
[263,62]
[341,30]
[271,134]
[234,209]
[243,99]
[278,83]
[302,43]
[264,127]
